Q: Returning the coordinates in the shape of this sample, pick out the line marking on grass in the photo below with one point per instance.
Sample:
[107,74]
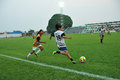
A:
[61,68]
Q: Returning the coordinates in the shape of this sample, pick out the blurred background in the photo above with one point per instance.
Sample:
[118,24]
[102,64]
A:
[19,17]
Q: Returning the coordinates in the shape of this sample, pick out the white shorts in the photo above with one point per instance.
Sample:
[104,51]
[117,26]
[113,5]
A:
[34,48]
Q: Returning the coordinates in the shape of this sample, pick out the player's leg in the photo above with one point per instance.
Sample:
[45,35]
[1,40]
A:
[68,55]
[30,54]
[41,48]
[34,48]
[101,38]
[64,52]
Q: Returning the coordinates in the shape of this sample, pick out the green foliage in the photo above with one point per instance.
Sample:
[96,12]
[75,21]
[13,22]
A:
[30,32]
[56,19]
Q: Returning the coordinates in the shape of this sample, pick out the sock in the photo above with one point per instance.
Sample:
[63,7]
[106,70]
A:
[58,52]
[28,54]
[37,51]
[101,40]
[71,59]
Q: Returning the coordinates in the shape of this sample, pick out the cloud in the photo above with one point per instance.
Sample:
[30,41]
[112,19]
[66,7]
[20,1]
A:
[34,14]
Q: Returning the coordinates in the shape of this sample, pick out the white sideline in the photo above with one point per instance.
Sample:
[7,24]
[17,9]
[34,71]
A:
[61,68]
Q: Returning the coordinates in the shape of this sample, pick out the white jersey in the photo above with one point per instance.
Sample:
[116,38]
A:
[102,31]
[59,38]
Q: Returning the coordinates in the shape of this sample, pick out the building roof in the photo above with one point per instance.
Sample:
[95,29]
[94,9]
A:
[16,32]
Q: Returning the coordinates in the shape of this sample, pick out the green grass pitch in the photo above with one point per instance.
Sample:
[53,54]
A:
[102,59]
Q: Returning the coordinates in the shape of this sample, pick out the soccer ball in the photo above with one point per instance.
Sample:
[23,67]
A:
[82,59]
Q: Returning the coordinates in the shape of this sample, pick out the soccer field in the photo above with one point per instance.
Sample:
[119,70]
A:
[101,59]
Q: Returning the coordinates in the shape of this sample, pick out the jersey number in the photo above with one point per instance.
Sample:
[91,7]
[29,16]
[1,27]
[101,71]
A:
[58,37]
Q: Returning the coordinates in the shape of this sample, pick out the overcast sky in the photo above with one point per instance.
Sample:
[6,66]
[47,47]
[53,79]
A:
[34,14]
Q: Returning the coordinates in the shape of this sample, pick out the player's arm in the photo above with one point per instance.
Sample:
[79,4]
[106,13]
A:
[52,35]
[65,37]
[38,40]
[42,42]
[99,30]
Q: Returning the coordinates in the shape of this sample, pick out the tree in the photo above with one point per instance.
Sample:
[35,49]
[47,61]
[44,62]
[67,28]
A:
[30,32]
[56,19]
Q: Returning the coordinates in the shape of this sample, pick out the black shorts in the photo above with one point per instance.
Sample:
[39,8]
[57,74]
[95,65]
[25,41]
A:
[101,35]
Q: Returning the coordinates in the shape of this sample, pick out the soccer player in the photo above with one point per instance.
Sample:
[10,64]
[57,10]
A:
[91,32]
[109,32]
[36,44]
[101,32]
[60,36]
[33,35]
[24,35]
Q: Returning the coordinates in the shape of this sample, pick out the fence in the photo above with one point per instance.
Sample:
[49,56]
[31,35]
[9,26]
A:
[10,35]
